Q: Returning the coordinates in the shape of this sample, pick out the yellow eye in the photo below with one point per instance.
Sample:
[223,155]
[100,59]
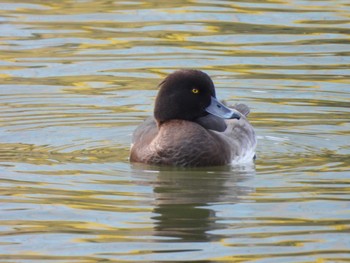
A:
[195,91]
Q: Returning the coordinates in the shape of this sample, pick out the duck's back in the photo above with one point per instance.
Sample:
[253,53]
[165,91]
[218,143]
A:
[241,138]
[179,143]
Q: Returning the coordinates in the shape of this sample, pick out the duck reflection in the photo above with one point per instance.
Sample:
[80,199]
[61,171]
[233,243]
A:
[185,200]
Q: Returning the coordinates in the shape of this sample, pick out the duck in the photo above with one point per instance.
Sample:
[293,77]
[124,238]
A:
[190,127]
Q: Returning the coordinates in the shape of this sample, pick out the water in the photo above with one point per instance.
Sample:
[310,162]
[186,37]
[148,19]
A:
[77,77]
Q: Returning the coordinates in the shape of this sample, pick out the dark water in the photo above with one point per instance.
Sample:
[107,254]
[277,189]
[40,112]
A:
[77,77]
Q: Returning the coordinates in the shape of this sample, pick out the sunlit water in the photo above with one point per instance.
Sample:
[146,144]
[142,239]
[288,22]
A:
[77,77]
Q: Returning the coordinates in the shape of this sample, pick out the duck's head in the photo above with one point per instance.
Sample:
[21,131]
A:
[188,95]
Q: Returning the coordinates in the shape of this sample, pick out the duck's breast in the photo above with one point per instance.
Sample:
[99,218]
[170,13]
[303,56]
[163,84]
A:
[184,143]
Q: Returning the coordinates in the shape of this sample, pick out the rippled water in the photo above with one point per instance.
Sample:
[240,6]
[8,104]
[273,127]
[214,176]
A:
[76,77]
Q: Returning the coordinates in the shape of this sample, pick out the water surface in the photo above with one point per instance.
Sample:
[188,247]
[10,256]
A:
[77,77]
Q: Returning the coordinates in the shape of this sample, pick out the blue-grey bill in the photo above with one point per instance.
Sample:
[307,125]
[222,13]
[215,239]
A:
[220,110]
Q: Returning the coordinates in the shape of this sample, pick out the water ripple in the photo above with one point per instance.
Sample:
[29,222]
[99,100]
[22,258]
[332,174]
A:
[76,77]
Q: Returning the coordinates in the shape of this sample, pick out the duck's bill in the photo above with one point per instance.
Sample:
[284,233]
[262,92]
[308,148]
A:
[220,110]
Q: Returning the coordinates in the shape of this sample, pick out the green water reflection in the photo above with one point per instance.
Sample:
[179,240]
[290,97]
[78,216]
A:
[77,77]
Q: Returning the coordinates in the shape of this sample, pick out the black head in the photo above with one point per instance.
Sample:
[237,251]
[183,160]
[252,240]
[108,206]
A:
[185,95]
